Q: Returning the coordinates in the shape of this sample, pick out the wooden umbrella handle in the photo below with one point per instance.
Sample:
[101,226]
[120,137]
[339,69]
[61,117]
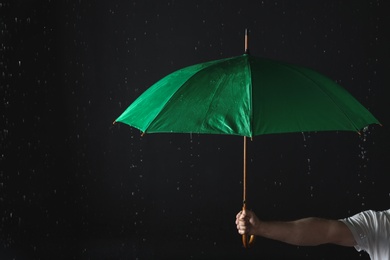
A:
[247,241]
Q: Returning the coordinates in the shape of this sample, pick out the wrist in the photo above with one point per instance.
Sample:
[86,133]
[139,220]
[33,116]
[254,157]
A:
[258,228]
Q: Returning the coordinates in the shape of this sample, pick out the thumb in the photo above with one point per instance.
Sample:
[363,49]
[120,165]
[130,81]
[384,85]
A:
[244,213]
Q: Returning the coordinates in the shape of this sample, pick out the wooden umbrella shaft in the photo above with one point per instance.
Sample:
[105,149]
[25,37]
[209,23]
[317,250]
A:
[247,241]
[244,177]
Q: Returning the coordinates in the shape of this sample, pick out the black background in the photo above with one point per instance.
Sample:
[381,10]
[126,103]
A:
[75,186]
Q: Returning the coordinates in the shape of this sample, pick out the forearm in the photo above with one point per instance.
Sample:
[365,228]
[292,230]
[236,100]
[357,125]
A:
[303,232]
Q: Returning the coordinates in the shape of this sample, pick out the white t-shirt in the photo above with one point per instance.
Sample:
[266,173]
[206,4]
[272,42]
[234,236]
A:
[371,230]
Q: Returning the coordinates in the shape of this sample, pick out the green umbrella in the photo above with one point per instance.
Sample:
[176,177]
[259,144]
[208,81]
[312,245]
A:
[245,96]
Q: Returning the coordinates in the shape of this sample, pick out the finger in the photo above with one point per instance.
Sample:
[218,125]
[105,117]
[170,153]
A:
[238,217]
[242,226]
[242,230]
[238,227]
[243,215]
[243,221]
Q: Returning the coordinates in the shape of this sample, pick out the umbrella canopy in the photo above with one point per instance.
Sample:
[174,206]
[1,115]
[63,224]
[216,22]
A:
[246,96]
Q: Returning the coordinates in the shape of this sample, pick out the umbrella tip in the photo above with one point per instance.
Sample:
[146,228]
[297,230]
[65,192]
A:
[246,41]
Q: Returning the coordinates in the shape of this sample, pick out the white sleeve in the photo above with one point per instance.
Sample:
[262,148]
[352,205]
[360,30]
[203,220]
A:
[360,226]
[371,230]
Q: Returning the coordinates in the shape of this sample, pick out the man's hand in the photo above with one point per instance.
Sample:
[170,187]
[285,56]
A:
[247,223]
